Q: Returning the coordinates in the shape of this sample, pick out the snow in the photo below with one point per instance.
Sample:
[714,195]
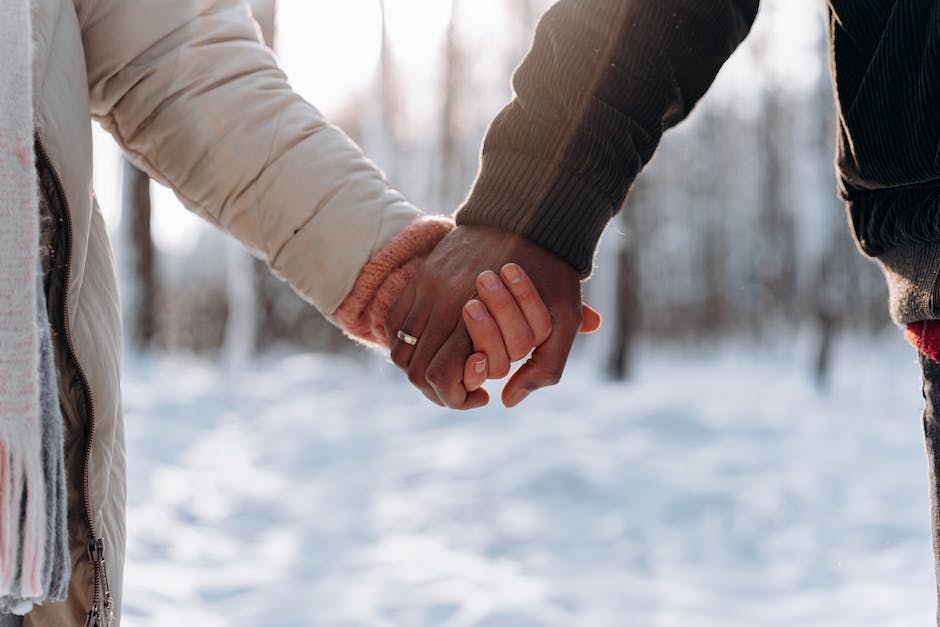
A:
[719,488]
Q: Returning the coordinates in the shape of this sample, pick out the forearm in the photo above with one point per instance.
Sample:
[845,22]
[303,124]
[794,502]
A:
[603,80]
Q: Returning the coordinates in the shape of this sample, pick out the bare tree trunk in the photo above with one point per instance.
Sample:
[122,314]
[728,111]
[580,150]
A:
[450,133]
[241,324]
[713,204]
[777,271]
[265,11]
[775,274]
[243,290]
[831,285]
[628,311]
[715,275]
[620,364]
[140,298]
[387,137]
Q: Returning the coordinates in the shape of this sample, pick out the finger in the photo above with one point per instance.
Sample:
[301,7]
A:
[474,400]
[394,321]
[474,372]
[407,355]
[487,338]
[412,325]
[513,326]
[530,303]
[437,329]
[445,373]
[406,316]
[544,367]
[591,319]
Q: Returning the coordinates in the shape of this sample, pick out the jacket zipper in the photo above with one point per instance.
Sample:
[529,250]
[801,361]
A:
[100,615]
[101,599]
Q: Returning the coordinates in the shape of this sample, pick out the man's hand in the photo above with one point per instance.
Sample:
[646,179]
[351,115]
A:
[430,309]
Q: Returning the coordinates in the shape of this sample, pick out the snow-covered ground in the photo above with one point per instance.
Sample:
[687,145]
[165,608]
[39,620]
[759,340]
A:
[717,489]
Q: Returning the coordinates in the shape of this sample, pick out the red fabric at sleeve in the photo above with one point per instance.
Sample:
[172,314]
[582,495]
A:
[925,336]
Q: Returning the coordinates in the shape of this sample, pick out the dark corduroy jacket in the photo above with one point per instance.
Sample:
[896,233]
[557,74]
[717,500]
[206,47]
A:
[605,78]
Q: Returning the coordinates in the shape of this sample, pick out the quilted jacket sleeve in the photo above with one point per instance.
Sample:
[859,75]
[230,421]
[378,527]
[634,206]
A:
[193,97]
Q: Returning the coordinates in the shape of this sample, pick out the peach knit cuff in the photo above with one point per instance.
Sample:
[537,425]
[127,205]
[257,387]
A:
[362,314]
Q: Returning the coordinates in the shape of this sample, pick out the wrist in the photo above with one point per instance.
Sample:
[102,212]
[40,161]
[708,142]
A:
[381,281]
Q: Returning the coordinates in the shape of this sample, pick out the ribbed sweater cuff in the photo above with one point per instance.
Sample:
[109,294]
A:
[558,211]
[362,313]
[913,275]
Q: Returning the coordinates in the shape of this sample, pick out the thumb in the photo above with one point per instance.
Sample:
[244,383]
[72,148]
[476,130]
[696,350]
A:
[591,319]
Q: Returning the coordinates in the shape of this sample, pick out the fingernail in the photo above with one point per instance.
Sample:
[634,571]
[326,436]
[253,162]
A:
[489,280]
[480,366]
[476,310]
[512,272]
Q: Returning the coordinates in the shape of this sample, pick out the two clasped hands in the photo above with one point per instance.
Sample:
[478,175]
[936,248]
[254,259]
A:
[482,300]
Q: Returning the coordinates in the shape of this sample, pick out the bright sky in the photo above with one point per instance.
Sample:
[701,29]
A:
[330,49]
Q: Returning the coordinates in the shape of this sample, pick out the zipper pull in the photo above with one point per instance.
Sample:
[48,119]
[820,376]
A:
[96,550]
[92,620]
[107,601]
[95,617]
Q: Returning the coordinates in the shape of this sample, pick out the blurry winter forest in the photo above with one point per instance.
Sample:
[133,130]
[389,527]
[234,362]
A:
[719,487]
[733,229]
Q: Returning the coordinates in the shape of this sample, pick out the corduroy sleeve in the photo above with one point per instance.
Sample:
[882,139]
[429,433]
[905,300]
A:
[887,59]
[602,82]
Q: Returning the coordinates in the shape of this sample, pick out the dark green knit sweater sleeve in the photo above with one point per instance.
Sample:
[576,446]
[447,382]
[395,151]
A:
[603,80]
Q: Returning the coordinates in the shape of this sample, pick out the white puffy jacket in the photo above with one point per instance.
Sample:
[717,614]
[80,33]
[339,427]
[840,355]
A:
[199,104]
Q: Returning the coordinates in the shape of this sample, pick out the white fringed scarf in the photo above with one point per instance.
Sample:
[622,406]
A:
[24,508]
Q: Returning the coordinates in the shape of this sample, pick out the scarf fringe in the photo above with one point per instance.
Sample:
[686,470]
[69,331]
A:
[22,514]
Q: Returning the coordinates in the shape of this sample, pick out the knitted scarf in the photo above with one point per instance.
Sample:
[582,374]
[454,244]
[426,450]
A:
[32,495]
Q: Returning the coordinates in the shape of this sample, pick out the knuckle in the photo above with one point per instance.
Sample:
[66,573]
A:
[437,376]
[416,377]
[453,401]
[542,334]
[526,294]
[433,398]
[451,396]
[520,346]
